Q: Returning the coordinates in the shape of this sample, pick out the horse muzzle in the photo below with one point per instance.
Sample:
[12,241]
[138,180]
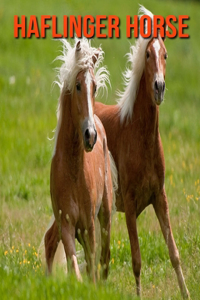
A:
[89,135]
[159,91]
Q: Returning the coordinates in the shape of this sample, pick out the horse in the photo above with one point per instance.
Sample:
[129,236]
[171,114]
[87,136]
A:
[80,179]
[132,129]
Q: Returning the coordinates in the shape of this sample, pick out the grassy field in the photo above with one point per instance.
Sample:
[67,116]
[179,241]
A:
[27,117]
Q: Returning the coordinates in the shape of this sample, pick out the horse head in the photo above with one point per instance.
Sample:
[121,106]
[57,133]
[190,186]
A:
[155,65]
[84,97]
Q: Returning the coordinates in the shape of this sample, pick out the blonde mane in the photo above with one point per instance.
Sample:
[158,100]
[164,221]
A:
[72,64]
[132,76]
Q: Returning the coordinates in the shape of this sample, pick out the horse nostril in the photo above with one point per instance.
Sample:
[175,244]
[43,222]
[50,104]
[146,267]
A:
[95,137]
[156,86]
[87,134]
[89,138]
[163,86]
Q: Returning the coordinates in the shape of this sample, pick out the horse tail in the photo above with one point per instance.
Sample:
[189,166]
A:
[114,175]
[60,257]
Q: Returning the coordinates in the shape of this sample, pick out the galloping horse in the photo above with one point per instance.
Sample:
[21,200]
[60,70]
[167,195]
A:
[134,141]
[80,180]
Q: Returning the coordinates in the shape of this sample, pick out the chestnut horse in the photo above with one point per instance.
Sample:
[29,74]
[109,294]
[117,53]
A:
[134,141]
[80,181]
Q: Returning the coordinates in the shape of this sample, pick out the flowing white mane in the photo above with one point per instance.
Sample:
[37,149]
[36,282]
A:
[132,76]
[74,62]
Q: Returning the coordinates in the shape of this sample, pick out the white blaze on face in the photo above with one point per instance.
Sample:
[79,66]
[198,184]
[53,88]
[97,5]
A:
[159,75]
[156,46]
[88,81]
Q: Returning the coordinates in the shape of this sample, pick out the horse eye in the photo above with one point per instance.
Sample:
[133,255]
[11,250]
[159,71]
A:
[165,56]
[147,54]
[95,89]
[78,86]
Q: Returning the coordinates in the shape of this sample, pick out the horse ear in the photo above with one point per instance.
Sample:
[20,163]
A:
[96,55]
[78,46]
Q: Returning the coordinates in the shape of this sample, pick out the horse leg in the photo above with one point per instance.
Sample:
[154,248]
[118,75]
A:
[68,239]
[51,241]
[130,212]
[162,212]
[88,238]
[104,217]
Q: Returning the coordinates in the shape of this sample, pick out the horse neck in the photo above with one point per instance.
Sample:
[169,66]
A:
[145,113]
[69,141]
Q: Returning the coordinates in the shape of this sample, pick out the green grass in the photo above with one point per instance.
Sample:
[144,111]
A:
[27,118]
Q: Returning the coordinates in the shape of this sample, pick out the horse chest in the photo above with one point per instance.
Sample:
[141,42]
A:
[141,179]
[92,187]
[145,190]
